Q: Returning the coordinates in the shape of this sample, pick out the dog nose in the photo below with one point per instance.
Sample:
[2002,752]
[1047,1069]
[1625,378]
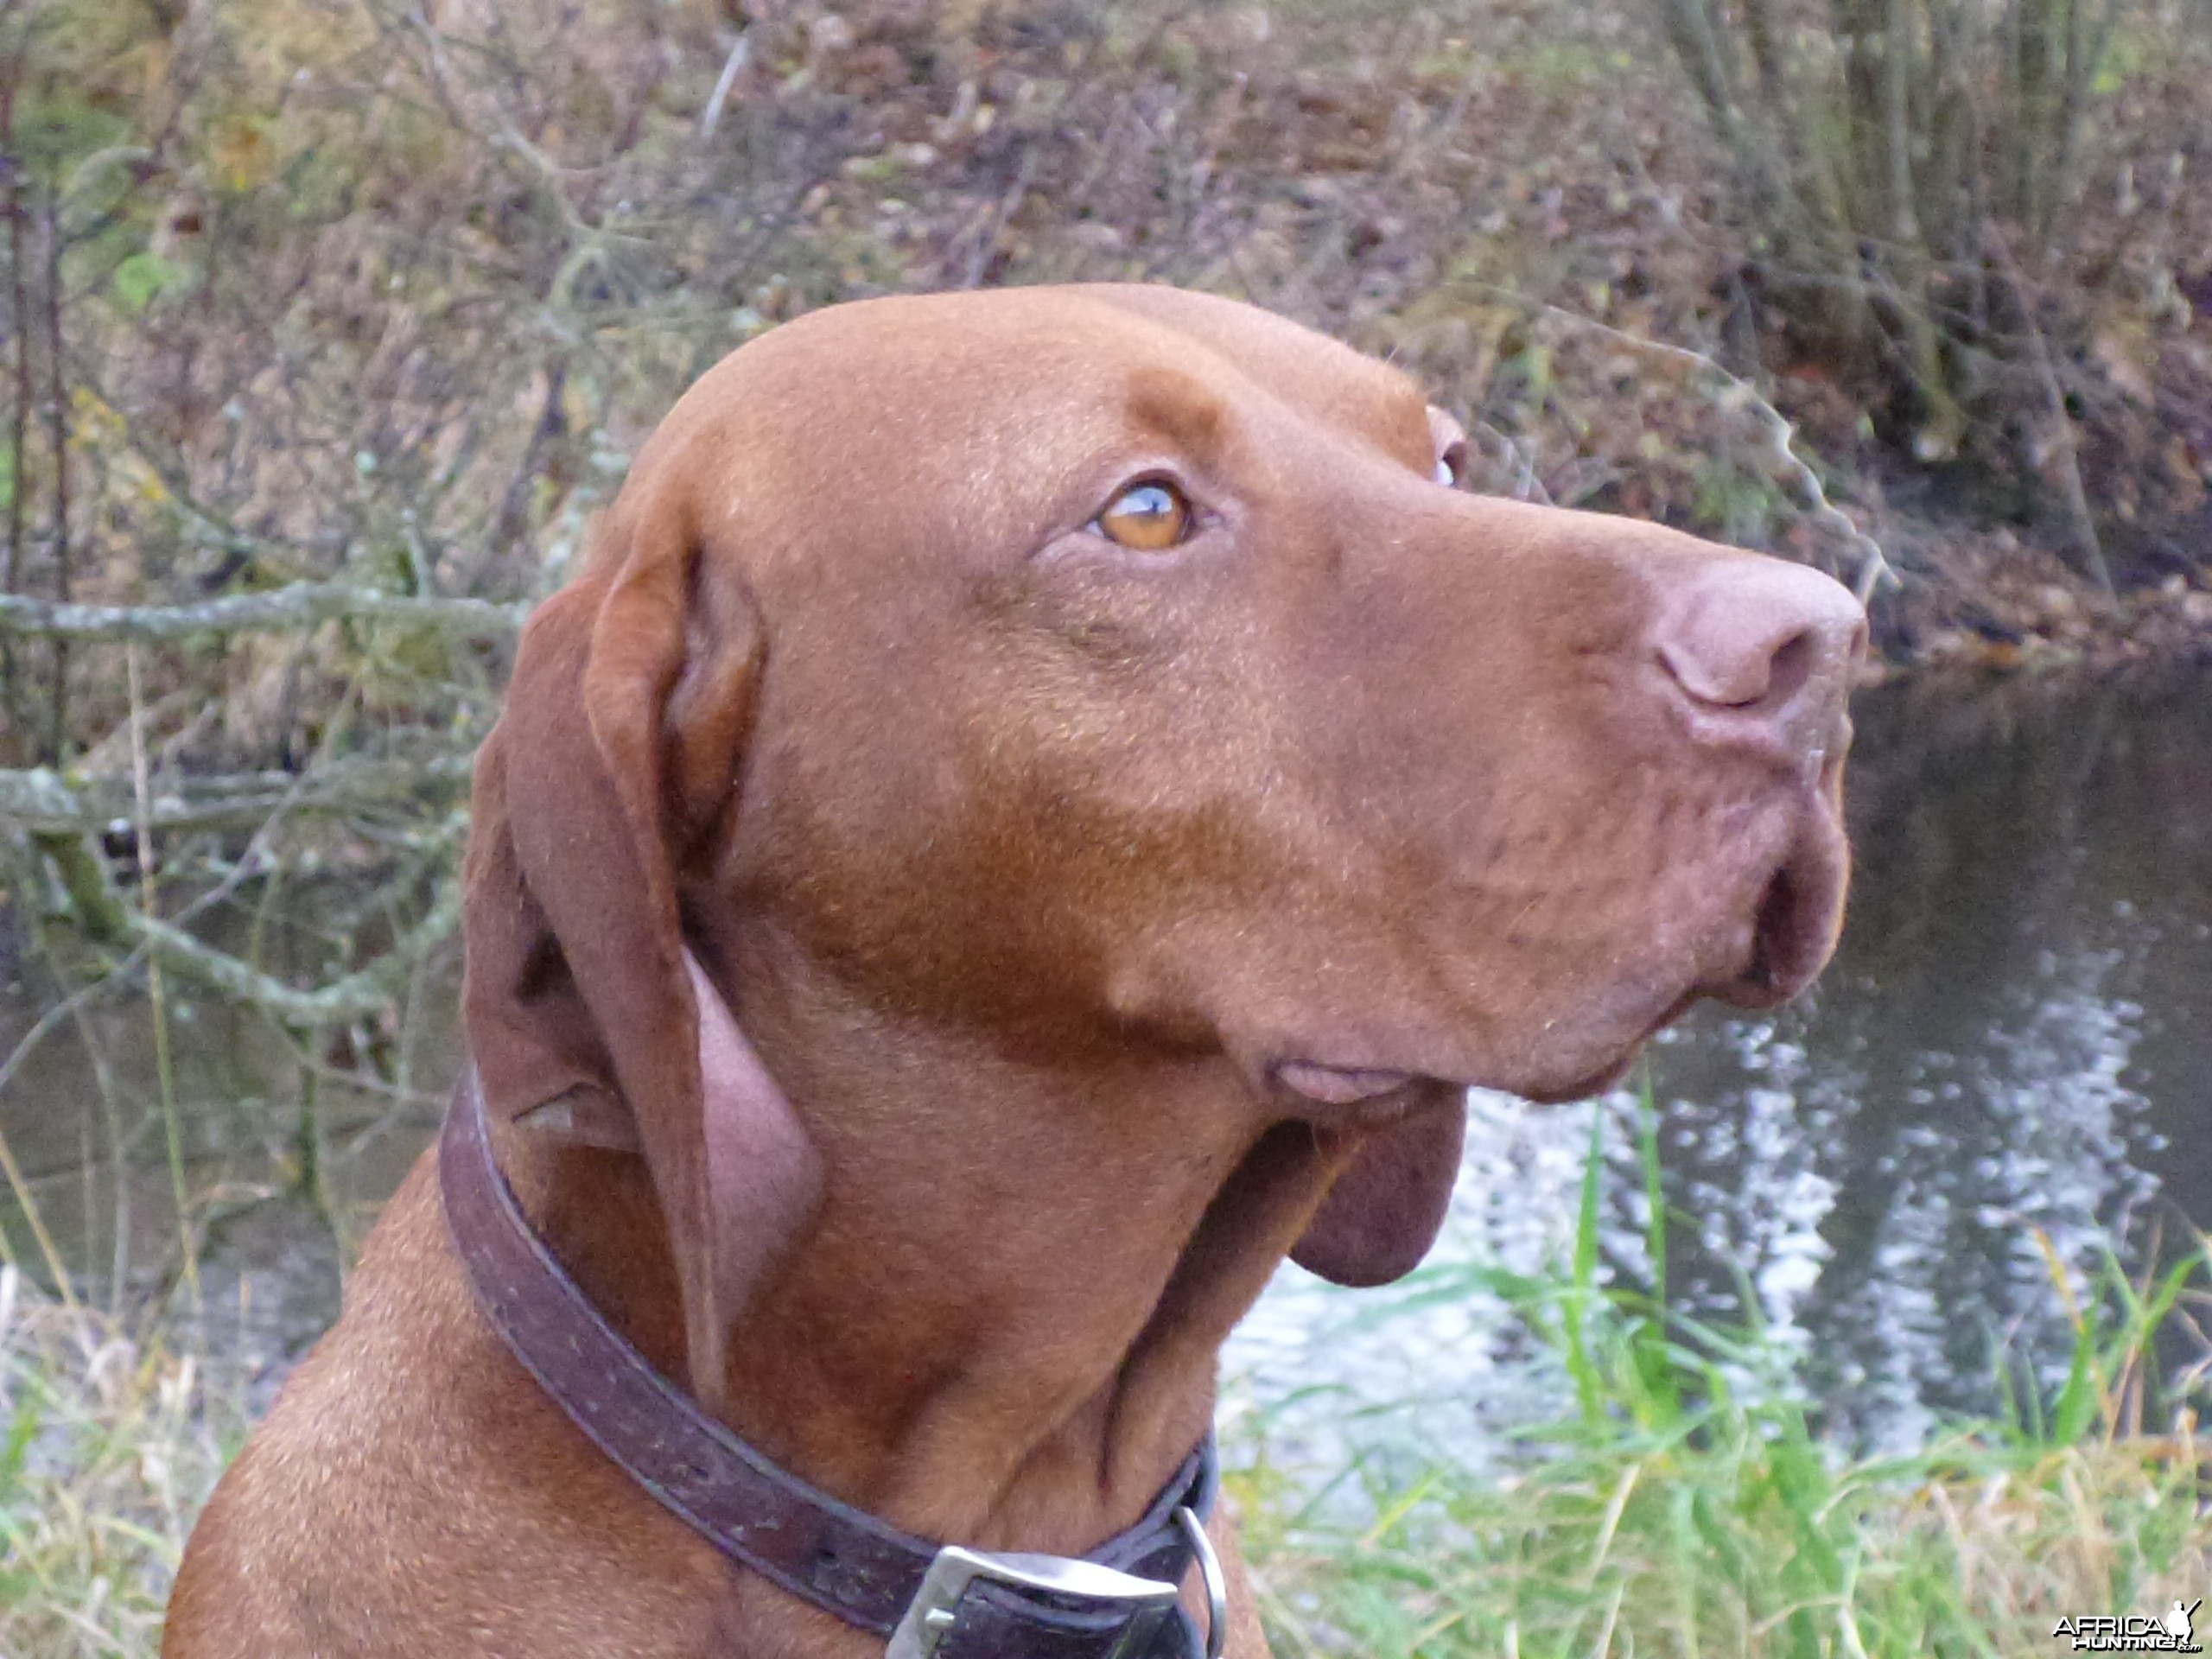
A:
[1763,650]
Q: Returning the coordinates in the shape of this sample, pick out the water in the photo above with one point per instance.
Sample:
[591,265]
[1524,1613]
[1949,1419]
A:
[2008,1064]
[2013,1045]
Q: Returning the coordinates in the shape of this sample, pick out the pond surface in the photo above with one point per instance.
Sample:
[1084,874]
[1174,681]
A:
[2009,1063]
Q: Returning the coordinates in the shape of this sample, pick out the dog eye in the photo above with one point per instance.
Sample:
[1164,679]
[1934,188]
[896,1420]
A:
[1147,518]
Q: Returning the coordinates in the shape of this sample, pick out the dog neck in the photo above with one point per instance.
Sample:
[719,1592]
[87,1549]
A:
[1001,1325]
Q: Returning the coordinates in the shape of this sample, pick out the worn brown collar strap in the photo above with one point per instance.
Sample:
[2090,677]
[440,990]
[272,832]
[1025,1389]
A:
[1117,1603]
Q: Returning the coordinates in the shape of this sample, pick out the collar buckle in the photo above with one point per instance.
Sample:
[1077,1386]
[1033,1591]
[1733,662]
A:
[931,1617]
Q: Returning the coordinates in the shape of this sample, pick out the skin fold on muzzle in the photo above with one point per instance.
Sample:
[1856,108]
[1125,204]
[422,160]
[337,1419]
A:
[1038,807]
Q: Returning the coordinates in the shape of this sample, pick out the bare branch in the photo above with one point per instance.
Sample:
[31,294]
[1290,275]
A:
[40,801]
[101,911]
[357,996]
[299,605]
[1779,453]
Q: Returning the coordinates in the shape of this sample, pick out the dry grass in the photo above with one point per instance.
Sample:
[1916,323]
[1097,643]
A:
[112,1440]
[1747,1545]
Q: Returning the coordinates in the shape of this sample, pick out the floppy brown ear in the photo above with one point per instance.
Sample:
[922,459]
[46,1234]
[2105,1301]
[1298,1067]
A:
[1384,1208]
[616,757]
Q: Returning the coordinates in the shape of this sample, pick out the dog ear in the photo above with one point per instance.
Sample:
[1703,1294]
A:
[1384,1208]
[616,760]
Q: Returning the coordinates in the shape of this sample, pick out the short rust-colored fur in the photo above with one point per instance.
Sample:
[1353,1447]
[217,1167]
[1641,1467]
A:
[1025,863]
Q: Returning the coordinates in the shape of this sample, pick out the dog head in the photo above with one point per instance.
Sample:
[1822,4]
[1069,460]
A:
[1089,671]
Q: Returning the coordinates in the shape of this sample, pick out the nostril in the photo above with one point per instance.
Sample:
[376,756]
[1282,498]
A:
[1740,678]
[1753,680]
[1765,644]
[1791,666]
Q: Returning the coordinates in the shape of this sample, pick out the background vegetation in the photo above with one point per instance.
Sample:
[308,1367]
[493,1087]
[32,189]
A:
[327,325]
[330,322]
[1685,1501]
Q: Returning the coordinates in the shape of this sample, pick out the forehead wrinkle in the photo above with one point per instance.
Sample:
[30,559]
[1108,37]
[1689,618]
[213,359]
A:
[1177,408]
[1321,378]
[1238,414]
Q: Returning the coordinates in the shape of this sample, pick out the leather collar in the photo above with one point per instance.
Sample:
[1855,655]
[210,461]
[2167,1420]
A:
[930,1602]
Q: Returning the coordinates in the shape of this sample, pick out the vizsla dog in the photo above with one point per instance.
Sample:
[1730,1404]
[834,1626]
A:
[1038,808]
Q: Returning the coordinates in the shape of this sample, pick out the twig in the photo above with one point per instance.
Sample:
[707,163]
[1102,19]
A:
[353,997]
[89,1039]
[209,530]
[20,1190]
[2081,523]
[1527,486]
[58,425]
[11,204]
[149,903]
[740,52]
[96,891]
[590,244]
[107,920]
[1873,568]
[299,606]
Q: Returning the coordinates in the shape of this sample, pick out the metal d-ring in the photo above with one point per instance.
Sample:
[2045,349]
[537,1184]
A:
[1210,1570]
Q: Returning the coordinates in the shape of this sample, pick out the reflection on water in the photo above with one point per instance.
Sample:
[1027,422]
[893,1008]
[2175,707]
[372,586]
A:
[2012,1051]
[2013,1045]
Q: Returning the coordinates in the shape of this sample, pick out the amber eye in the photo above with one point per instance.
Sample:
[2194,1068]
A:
[1147,518]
